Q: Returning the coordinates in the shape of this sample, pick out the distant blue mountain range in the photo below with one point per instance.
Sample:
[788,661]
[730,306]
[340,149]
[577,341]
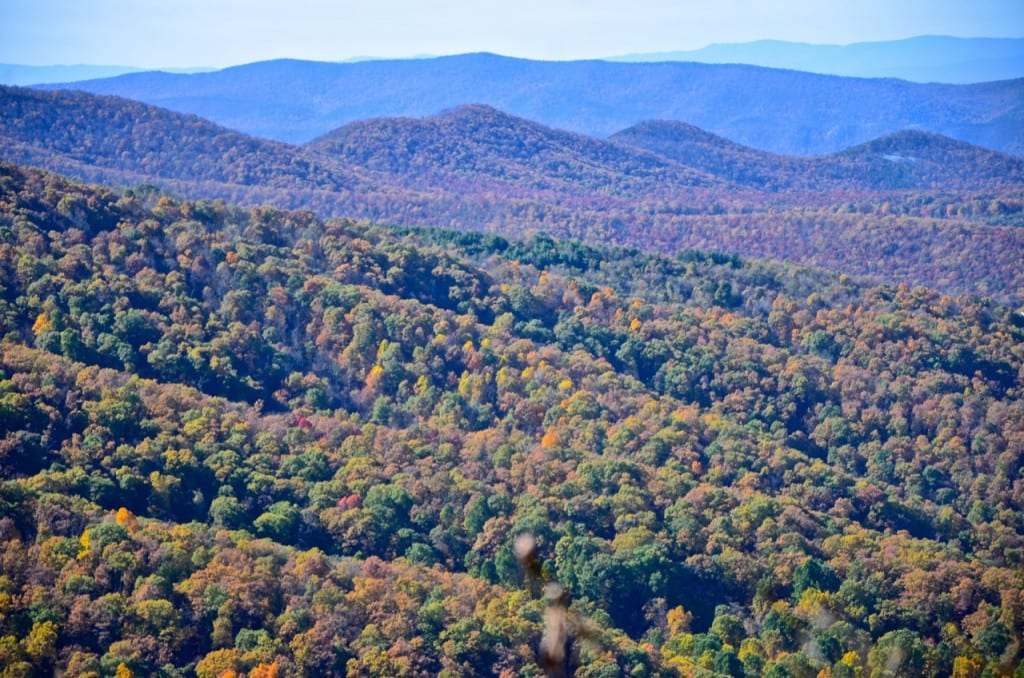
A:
[921,59]
[17,74]
[775,110]
[929,58]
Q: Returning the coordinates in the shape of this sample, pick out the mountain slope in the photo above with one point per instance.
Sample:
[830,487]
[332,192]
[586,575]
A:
[916,159]
[475,168]
[245,440]
[107,136]
[474,144]
[907,160]
[361,171]
[928,58]
[697,148]
[776,110]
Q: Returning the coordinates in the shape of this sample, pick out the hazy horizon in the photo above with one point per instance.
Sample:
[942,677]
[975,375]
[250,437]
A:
[197,34]
[194,68]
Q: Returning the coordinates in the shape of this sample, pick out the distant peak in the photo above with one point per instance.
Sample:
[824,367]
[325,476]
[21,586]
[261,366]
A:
[923,144]
[480,56]
[676,130]
[661,126]
[476,108]
[913,136]
[474,111]
[477,113]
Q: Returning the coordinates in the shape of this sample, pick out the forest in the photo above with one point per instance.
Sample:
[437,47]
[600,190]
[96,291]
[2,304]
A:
[244,441]
[912,207]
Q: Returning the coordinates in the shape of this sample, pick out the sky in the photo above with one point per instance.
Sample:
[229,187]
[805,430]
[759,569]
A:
[219,33]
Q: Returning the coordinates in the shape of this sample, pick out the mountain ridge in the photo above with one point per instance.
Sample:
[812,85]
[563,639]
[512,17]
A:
[924,58]
[781,111]
[22,75]
[480,140]
[568,185]
[947,160]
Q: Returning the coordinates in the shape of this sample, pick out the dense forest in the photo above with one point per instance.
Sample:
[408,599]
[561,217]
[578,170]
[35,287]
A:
[245,441]
[910,208]
[907,160]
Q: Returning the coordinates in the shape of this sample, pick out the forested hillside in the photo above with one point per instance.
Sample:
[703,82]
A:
[479,149]
[774,110]
[250,440]
[115,140]
[911,208]
[907,160]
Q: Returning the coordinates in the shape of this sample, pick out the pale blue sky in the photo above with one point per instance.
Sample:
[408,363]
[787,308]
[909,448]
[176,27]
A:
[185,33]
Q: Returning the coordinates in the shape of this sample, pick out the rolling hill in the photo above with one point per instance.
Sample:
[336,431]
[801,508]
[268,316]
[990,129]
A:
[909,159]
[475,168]
[775,110]
[362,171]
[916,160]
[479,148]
[110,139]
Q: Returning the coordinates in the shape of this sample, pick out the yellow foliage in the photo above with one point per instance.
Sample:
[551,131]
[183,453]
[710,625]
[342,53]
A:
[814,604]
[966,667]
[679,620]
[195,426]
[687,415]
[635,325]
[712,420]
[84,541]
[851,659]
[750,646]
[178,459]
[374,375]
[565,384]
[218,664]
[127,519]
[41,642]
[123,671]
[42,324]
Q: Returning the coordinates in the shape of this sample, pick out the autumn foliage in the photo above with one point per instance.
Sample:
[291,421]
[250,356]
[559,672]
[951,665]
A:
[250,442]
